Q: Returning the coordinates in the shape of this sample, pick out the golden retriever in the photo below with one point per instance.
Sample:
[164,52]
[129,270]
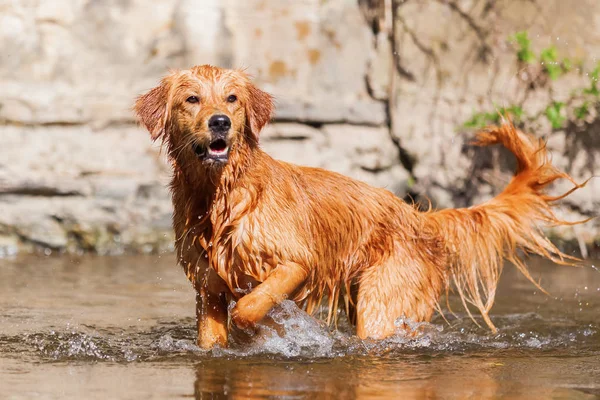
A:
[256,230]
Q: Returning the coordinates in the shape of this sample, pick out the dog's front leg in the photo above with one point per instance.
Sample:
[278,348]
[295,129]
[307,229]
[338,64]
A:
[211,312]
[280,284]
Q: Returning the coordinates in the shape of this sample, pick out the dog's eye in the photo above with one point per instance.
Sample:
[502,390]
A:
[232,98]
[192,99]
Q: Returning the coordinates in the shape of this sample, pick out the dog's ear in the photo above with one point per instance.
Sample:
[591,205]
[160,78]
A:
[152,109]
[259,109]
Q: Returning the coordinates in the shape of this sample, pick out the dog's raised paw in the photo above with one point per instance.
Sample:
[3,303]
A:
[249,310]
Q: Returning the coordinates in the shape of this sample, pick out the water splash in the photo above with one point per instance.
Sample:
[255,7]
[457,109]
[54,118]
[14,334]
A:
[166,344]
[70,345]
[291,333]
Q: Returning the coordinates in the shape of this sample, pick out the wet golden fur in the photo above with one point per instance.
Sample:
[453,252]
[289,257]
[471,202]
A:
[259,230]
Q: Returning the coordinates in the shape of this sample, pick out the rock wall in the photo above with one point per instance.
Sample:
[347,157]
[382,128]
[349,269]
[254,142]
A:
[360,89]
[462,62]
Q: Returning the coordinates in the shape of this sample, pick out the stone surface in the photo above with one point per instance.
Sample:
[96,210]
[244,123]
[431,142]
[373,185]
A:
[84,61]
[75,188]
[381,67]
[314,56]
[77,174]
[361,152]
[77,61]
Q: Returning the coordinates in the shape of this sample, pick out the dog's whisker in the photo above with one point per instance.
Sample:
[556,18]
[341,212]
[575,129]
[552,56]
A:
[177,151]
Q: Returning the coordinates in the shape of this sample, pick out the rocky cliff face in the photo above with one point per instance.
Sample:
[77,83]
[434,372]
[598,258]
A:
[371,93]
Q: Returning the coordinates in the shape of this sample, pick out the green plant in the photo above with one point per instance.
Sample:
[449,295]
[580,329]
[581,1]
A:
[555,114]
[524,53]
[549,58]
[577,107]
[593,89]
[582,111]
[481,119]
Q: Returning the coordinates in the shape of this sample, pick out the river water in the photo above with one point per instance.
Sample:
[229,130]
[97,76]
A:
[123,327]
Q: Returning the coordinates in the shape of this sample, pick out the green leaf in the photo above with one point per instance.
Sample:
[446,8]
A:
[515,111]
[593,89]
[478,120]
[554,114]
[522,39]
[549,57]
[595,74]
[482,119]
[553,70]
[582,111]
[524,52]
[492,117]
[549,54]
[526,56]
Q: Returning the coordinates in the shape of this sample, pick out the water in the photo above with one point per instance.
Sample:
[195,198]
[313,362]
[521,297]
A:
[123,327]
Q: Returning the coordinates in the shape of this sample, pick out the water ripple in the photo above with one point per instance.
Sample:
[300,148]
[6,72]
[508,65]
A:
[294,334]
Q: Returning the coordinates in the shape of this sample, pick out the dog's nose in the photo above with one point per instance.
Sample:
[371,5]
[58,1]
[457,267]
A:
[219,123]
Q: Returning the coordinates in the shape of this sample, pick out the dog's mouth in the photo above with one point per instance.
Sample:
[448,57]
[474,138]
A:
[217,150]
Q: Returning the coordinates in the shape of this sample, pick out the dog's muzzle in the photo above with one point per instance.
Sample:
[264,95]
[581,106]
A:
[218,148]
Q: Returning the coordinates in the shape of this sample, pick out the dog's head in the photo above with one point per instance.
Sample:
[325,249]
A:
[205,113]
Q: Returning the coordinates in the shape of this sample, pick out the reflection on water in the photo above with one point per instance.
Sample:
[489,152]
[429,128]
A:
[124,327]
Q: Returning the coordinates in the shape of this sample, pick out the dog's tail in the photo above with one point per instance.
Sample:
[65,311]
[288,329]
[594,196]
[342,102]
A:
[479,238]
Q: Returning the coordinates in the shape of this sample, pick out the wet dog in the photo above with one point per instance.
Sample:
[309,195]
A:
[256,230]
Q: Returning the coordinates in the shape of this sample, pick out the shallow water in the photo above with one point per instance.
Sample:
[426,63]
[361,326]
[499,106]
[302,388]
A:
[123,327]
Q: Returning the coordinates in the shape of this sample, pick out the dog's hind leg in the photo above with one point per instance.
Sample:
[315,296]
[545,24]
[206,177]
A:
[393,289]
